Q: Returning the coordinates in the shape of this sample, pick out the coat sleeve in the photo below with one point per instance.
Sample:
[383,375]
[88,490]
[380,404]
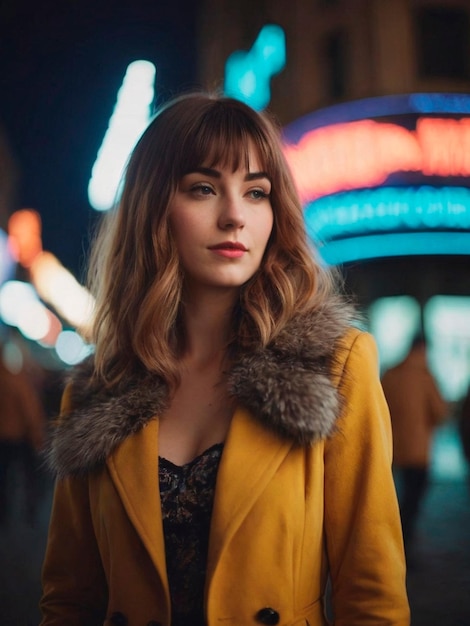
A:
[362,522]
[73,580]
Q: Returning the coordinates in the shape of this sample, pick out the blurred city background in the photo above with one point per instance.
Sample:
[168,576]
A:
[373,98]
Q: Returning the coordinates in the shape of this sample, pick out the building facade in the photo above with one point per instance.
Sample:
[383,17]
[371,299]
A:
[343,50]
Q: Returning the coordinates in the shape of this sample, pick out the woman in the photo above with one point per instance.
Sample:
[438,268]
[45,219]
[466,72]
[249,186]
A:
[227,451]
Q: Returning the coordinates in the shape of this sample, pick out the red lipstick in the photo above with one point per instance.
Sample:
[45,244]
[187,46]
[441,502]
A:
[229,249]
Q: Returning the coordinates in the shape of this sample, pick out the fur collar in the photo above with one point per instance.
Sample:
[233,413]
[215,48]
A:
[286,386]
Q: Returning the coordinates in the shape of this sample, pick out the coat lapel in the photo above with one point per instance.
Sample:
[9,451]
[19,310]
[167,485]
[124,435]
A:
[251,457]
[134,470]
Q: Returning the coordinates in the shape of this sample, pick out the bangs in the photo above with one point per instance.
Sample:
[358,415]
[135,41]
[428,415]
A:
[223,137]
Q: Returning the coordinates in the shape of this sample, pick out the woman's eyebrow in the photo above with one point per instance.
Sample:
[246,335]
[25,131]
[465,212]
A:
[207,171]
[256,176]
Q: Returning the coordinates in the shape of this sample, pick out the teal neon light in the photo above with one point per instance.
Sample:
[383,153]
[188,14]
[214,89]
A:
[388,209]
[393,245]
[248,73]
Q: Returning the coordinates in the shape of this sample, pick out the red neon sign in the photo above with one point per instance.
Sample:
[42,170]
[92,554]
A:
[363,154]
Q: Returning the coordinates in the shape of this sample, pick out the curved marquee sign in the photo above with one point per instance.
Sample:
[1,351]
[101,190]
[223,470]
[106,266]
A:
[385,176]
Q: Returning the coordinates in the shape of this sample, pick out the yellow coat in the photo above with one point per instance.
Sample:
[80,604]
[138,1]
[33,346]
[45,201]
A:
[285,515]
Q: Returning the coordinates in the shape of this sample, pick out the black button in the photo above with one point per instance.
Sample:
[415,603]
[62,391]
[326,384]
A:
[268,616]
[118,619]
[154,623]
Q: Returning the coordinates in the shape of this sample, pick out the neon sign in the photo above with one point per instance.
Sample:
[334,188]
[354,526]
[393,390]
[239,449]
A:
[365,153]
[248,73]
[416,104]
[385,177]
[388,209]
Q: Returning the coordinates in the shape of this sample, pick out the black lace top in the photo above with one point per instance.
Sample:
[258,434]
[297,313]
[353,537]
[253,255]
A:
[187,494]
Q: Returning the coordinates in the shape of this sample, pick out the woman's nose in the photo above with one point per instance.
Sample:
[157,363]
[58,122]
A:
[232,214]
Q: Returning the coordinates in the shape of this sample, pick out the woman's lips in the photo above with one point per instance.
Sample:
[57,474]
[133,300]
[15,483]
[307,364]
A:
[229,249]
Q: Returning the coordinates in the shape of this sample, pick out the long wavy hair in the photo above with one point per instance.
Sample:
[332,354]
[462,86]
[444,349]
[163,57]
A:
[135,273]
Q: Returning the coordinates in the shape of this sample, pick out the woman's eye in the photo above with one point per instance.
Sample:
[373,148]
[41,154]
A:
[257,194]
[204,190]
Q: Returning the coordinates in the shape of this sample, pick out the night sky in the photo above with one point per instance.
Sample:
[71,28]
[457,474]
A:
[62,63]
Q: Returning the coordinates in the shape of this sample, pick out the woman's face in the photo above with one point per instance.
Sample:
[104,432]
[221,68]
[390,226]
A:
[221,222]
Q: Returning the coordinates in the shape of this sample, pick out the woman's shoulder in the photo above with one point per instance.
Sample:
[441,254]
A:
[94,419]
[289,384]
[358,340]
[356,349]
[319,329]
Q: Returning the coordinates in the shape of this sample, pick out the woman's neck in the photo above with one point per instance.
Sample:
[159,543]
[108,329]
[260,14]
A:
[207,327]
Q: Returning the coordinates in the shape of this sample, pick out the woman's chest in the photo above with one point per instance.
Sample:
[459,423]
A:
[198,417]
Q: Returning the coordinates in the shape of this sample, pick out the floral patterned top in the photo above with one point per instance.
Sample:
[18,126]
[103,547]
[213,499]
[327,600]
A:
[187,495]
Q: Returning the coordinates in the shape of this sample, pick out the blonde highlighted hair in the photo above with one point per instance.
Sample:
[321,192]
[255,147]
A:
[134,272]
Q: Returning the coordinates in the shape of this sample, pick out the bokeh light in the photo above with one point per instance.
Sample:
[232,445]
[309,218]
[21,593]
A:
[24,231]
[59,288]
[71,348]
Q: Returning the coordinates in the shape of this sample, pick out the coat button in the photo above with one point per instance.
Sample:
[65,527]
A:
[118,619]
[268,616]
[154,623]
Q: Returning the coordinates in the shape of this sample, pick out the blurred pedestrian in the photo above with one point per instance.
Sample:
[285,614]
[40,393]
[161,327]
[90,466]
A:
[416,408]
[22,425]
[464,425]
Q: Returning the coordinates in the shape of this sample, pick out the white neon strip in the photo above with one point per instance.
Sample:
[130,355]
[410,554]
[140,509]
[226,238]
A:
[130,118]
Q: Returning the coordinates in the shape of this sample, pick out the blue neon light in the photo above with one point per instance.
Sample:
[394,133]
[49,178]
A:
[393,245]
[418,103]
[453,103]
[388,209]
[248,73]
